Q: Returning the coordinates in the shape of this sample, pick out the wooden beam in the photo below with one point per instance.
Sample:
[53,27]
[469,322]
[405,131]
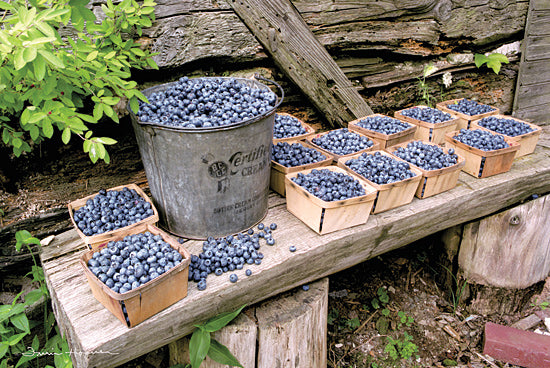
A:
[101,340]
[286,36]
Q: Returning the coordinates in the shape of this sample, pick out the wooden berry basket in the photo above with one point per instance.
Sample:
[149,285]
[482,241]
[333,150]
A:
[151,297]
[385,140]
[527,141]
[464,120]
[435,181]
[326,217]
[428,132]
[390,195]
[336,157]
[94,241]
[496,162]
[278,171]
[309,131]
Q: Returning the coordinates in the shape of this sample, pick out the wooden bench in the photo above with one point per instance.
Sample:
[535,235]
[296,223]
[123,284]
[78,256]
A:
[98,339]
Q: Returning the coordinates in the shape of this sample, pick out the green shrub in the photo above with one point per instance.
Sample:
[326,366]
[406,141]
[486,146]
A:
[51,83]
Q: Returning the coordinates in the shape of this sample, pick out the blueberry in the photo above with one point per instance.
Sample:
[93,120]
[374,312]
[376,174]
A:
[273,226]
[508,127]
[481,139]
[248,272]
[329,185]
[343,142]
[305,287]
[426,156]
[383,124]
[292,248]
[427,114]
[294,154]
[470,107]
[379,168]
[261,226]
[270,241]
[287,126]
[201,284]
[233,277]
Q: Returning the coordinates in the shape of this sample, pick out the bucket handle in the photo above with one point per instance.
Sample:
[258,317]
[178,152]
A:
[280,100]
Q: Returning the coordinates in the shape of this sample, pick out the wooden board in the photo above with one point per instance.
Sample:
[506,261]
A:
[286,36]
[105,342]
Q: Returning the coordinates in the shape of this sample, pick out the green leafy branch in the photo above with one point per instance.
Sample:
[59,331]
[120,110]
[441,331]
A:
[493,61]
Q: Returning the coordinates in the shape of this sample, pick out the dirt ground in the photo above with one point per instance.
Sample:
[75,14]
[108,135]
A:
[390,304]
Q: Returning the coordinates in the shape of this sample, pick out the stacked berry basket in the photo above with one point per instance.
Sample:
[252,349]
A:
[289,128]
[289,157]
[394,179]
[466,111]
[329,198]
[440,167]
[342,142]
[432,123]
[383,129]
[522,132]
[101,217]
[138,273]
[486,153]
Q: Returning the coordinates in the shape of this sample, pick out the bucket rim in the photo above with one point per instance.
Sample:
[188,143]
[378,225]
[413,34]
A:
[238,124]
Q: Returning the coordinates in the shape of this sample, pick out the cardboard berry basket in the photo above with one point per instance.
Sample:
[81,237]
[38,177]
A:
[309,131]
[482,164]
[389,195]
[325,217]
[428,132]
[385,140]
[95,240]
[527,141]
[148,299]
[278,171]
[335,156]
[435,181]
[464,120]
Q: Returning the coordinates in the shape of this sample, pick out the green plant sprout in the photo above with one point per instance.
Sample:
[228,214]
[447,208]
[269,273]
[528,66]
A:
[50,82]
[423,87]
[457,291]
[493,61]
[15,325]
[400,348]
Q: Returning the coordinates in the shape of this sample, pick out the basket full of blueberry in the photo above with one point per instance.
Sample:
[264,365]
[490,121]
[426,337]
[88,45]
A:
[329,198]
[105,215]
[440,167]
[287,157]
[342,143]
[137,275]
[486,152]
[432,123]
[394,179]
[383,129]
[289,128]
[466,111]
[526,134]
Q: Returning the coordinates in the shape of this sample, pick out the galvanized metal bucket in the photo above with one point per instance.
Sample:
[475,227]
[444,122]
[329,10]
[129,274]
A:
[208,181]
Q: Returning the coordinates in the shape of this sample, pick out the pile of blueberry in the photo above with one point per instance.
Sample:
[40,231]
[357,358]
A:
[110,210]
[379,168]
[343,142]
[481,139]
[206,103]
[383,124]
[127,264]
[295,154]
[287,126]
[509,127]
[426,156]
[427,114]
[229,253]
[470,107]
[329,185]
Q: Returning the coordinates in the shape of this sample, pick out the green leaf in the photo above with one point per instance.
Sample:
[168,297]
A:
[221,354]
[6,136]
[134,104]
[33,296]
[199,344]
[22,236]
[47,129]
[66,135]
[220,321]
[4,347]
[29,54]
[109,55]
[92,55]
[52,59]
[107,158]
[88,134]
[35,132]
[94,156]
[45,28]
[98,111]
[480,59]
[21,322]
[106,140]
[496,56]
[37,117]
[19,60]
[14,339]
[38,41]
[495,65]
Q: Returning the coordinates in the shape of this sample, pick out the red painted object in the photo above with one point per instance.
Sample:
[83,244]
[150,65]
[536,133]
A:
[523,348]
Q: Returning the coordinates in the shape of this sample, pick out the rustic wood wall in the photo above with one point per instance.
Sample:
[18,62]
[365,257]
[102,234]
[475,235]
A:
[533,88]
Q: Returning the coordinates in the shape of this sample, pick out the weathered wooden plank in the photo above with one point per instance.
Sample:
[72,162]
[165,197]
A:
[535,72]
[285,35]
[535,95]
[102,341]
[538,114]
[510,249]
[539,23]
[537,47]
[541,4]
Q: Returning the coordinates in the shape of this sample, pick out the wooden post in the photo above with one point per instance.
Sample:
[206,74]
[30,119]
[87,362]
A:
[504,256]
[288,330]
[285,35]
